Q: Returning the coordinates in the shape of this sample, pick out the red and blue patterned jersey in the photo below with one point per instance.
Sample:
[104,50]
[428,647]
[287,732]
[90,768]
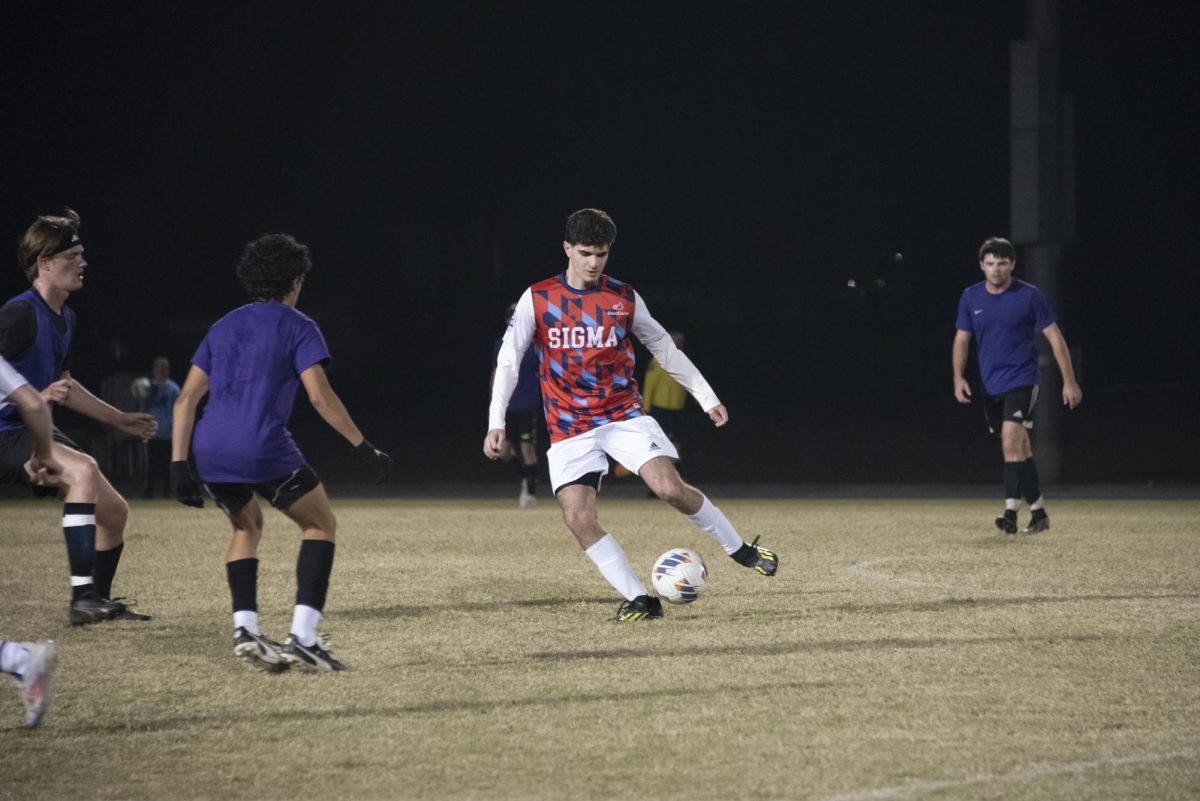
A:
[585,354]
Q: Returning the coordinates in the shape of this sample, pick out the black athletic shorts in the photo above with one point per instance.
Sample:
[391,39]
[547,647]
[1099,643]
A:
[521,426]
[16,446]
[1015,405]
[280,492]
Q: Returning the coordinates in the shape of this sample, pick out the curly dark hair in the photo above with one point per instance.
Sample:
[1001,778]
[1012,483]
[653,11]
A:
[999,247]
[271,264]
[49,234]
[590,227]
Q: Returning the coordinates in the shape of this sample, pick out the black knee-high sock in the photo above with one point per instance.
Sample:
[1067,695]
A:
[242,575]
[1012,482]
[104,568]
[79,529]
[313,567]
[1030,487]
[529,476]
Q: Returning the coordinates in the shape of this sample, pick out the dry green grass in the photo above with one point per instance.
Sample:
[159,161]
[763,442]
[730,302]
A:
[906,650]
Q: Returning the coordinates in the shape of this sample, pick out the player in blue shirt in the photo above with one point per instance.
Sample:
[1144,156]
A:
[36,328]
[522,420]
[161,404]
[1004,316]
[250,365]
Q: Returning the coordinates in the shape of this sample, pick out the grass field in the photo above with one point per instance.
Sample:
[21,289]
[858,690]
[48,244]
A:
[905,650]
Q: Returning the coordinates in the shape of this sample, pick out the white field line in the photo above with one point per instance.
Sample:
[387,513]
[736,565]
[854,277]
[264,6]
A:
[1043,770]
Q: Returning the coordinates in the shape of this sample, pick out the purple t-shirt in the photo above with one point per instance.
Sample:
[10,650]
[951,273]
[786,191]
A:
[1005,328]
[253,357]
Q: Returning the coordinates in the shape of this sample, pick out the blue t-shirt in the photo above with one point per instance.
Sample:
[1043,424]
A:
[527,397]
[1005,328]
[253,357]
[43,362]
[161,404]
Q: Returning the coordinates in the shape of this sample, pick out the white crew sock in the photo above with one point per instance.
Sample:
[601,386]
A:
[1038,504]
[246,619]
[711,519]
[1012,504]
[614,566]
[304,624]
[14,657]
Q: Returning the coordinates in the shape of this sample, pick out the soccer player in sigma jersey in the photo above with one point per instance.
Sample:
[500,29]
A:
[36,328]
[250,365]
[1004,315]
[581,323]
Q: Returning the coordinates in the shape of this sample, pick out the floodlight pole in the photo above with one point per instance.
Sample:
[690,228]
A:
[1042,196]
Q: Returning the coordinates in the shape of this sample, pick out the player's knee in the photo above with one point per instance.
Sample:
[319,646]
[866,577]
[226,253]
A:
[580,521]
[112,513]
[81,473]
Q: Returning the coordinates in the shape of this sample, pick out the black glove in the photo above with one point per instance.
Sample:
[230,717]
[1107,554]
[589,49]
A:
[183,487]
[376,461]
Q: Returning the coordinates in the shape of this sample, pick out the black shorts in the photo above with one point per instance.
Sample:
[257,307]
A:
[16,446]
[521,426]
[280,492]
[1016,405]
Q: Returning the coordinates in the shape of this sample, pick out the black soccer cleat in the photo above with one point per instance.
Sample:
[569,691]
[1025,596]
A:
[310,657]
[90,609]
[1040,521]
[757,557]
[258,651]
[643,607]
[1008,523]
[766,561]
[126,611]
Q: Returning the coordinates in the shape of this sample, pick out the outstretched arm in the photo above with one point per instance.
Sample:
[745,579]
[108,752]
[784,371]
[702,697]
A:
[958,361]
[329,405]
[77,398]
[195,387]
[677,365]
[1072,393]
[183,486]
[508,365]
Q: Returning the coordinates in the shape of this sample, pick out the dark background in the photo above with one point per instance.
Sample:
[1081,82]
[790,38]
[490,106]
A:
[755,161]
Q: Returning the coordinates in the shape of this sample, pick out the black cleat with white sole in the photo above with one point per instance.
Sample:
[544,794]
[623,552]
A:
[309,657]
[258,651]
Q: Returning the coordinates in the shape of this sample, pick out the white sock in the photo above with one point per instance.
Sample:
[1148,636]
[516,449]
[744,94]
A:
[246,619]
[1012,504]
[710,519]
[1038,504]
[304,624]
[614,566]
[14,657]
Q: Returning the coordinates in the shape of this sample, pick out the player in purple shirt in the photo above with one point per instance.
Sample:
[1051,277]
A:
[1004,316]
[250,365]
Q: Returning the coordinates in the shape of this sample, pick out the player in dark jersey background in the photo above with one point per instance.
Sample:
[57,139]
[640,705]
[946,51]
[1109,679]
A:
[250,365]
[522,421]
[581,323]
[1004,315]
[36,328]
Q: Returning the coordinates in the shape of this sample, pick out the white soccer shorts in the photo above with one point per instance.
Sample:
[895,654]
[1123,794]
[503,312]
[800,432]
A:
[631,442]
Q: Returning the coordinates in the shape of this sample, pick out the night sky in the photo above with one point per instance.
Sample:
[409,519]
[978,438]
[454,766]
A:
[755,162]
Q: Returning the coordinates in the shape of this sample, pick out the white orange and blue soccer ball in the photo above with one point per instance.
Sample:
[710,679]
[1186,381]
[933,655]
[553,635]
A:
[679,576]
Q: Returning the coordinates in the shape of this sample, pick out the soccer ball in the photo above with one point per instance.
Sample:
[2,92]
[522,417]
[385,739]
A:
[140,388]
[679,576]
